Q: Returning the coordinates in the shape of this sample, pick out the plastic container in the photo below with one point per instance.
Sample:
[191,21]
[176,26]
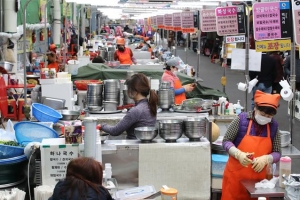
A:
[135,193]
[7,151]
[218,164]
[33,132]
[168,194]
[285,167]
[238,108]
[44,113]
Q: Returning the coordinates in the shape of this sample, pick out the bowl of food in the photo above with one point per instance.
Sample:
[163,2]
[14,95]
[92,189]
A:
[146,134]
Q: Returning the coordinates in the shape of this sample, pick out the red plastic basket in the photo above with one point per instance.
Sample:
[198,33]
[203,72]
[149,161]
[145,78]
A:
[82,84]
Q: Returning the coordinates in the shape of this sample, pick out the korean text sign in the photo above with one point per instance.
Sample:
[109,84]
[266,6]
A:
[273,45]
[227,21]
[160,21]
[55,159]
[176,21]
[208,20]
[271,20]
[168,21]
[296,14]
[187,22]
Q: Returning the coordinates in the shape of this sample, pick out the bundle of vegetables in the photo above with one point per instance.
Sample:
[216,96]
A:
[10,143]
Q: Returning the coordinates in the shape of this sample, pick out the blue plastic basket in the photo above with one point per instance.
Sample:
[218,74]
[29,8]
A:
[13,160]
[33,132]
[45,113]
[7,151]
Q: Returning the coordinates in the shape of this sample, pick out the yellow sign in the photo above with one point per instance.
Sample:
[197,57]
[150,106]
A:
[66,10]
[273,45]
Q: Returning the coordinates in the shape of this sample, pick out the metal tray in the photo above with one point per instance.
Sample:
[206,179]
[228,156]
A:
[189,111]
[103,112]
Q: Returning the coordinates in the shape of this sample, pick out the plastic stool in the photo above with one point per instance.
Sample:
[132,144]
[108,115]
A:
[12,115]
[21,115]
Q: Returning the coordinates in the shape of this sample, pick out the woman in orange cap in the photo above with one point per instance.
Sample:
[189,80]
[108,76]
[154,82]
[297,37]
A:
[123,54]
[253,142]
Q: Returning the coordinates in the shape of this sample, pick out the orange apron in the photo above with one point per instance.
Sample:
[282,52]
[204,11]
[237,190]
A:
[234,172]
[124,57]
[180,97]
[53,66]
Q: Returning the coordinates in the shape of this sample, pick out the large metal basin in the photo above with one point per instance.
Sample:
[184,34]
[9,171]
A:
[146,134]
[170,130]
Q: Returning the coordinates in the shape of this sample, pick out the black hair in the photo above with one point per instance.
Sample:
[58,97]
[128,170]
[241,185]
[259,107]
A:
[98,59]
[267,109]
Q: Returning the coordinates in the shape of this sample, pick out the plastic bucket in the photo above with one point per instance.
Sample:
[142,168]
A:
[73,66]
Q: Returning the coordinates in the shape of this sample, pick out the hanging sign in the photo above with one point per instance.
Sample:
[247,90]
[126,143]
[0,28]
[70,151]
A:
[296,15]
[227,22]
[196,19]
[208,20]
[241,18]
[168,21]
[273,45]
[235,39]
[176,21]
[187,22]
[160,21]
[271,20]
[55,159]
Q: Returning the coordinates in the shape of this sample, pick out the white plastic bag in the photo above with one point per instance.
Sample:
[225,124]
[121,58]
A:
[292,187]
[267,183]
[9,133]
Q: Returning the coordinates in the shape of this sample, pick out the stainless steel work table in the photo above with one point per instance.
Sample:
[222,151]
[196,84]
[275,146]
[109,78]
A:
[262,192]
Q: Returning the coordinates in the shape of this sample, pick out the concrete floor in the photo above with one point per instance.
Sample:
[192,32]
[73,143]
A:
[211,75]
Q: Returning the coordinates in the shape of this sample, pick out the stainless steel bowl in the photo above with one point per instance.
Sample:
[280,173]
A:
[95,108]
[285,138]
[7,66]
[69,114]
[146,134]
[110,105]
[194,128]
[104,136]
[170,130]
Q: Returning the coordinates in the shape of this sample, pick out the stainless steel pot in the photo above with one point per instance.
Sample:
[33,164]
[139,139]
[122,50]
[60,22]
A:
[94,89]
[94,101]
[165,85]
[165,98]
[7,66]
[110,105]
[285,138]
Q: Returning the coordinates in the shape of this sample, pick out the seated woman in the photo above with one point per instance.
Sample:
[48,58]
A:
[83,181]
[98,59]
[142,114]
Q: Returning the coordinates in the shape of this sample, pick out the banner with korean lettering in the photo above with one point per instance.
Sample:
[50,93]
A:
[160,21]
[271,20]
[176,21]
[273,45]
[296,15]
[208,20]
[168,21]
[241,18]
[187,22]
[227,22]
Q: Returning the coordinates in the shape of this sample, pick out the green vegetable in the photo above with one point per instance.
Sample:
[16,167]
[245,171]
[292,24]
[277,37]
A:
[10,143]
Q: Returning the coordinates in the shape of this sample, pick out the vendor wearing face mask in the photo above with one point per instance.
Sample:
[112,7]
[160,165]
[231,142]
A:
[250,135]
[123,54]
[170,75]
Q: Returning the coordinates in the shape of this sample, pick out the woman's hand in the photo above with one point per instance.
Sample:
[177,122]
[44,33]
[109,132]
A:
[188,88]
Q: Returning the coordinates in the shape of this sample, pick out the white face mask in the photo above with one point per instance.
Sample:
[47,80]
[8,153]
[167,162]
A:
[262,120]
[175,73]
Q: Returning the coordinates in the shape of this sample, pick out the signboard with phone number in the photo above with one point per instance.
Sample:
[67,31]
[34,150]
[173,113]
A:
[271,20]
[296,14]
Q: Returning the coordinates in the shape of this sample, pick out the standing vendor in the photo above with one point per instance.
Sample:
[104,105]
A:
[123,54]
[170,75]
[253,142]
[142,114]
[52,61]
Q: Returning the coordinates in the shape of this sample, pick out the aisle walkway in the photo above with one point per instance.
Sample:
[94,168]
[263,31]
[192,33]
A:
[211,75]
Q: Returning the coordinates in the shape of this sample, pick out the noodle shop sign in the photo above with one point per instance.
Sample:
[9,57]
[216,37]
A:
[273,45]
[227,20]
[271,20]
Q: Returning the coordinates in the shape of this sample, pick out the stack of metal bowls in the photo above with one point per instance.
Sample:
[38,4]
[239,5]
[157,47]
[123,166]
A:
[94,96]
[194,128]
[126,99]
[146,134]
[165,95]
[170,130]
[112,90]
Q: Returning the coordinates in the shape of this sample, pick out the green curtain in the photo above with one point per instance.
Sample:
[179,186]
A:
[32,12]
